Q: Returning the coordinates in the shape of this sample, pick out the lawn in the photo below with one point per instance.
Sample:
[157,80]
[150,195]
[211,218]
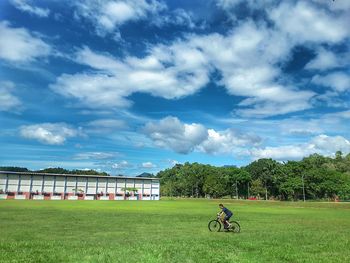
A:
[172,231]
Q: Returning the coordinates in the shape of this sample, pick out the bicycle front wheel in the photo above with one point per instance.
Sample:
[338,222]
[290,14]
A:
[235,227]
[214,226]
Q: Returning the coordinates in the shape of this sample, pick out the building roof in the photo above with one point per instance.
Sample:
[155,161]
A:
[78,175]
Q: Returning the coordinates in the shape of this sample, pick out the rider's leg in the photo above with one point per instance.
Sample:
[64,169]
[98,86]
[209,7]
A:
[227,218]
[225,222]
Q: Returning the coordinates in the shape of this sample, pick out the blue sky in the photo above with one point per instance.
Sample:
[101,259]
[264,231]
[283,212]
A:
[131,86]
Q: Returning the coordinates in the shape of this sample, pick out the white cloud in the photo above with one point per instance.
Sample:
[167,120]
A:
[338,81]
[171,133]
[322,144]
[324,60]
[332,98]
[248,59]
[301,127]
[261,108]
[25,6]
[245,58]
[332,123]
[179,17]
[8,101]
[19,45]
[107,123]
[329,145]
[227,141]
[92,90]
[172,162]
[304,22]
[148,165]
[229,5]
[121,165]
[49,133]
[335,5]
[107,16]
[105,126]
[168,72]
[340,114]
[289,152]
[95,155]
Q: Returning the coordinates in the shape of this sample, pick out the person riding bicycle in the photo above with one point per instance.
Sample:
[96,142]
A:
[227,217]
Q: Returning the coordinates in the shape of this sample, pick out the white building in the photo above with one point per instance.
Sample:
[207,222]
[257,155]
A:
[27,185]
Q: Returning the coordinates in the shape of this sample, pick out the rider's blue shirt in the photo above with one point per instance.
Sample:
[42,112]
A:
[227,212]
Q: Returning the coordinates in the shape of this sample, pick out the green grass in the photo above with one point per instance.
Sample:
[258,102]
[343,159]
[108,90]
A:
[172,231]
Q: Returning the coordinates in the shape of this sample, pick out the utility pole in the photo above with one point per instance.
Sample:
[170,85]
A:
[302,178]
[265,192]
[248,190]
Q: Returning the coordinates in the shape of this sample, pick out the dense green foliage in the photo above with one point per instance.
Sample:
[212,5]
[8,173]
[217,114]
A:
[13,169]
[172,231]
[315,177]
[57,170]
[322,177]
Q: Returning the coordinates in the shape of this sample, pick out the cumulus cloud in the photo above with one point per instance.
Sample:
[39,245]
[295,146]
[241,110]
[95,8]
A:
[227,141]
[171,133]
[289,152]
[338,81]
[19,45]
[8,101]
[245,58]
[330,144]
[322,144]
[121,165]
[248,59]
[107,16]
[92,90]
[167,72]
[26,6]
[49,133]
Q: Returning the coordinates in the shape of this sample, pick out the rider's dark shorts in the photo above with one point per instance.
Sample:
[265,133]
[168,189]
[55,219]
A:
[227,217]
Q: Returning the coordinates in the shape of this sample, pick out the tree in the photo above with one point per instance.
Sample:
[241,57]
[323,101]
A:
[215,185]
[267,170]
[13,169]
[257,188]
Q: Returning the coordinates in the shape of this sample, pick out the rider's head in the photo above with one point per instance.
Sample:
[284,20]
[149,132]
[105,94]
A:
[221,205]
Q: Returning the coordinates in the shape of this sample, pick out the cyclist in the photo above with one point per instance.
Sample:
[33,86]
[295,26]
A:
[227,217]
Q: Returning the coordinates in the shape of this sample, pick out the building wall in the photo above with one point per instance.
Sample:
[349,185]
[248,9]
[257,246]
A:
[103,188]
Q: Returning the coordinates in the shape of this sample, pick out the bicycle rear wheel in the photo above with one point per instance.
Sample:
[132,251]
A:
[214,226]
[235,227]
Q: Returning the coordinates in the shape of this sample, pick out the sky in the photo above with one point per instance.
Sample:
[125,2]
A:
[132,86]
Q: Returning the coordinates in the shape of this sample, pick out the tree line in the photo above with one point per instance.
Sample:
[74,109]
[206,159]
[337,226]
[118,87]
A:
[57,170]
[314,178]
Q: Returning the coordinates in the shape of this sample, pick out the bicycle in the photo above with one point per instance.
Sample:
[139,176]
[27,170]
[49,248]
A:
[216,224]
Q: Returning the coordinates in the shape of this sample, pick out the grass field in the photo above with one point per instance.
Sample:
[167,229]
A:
[172,231]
